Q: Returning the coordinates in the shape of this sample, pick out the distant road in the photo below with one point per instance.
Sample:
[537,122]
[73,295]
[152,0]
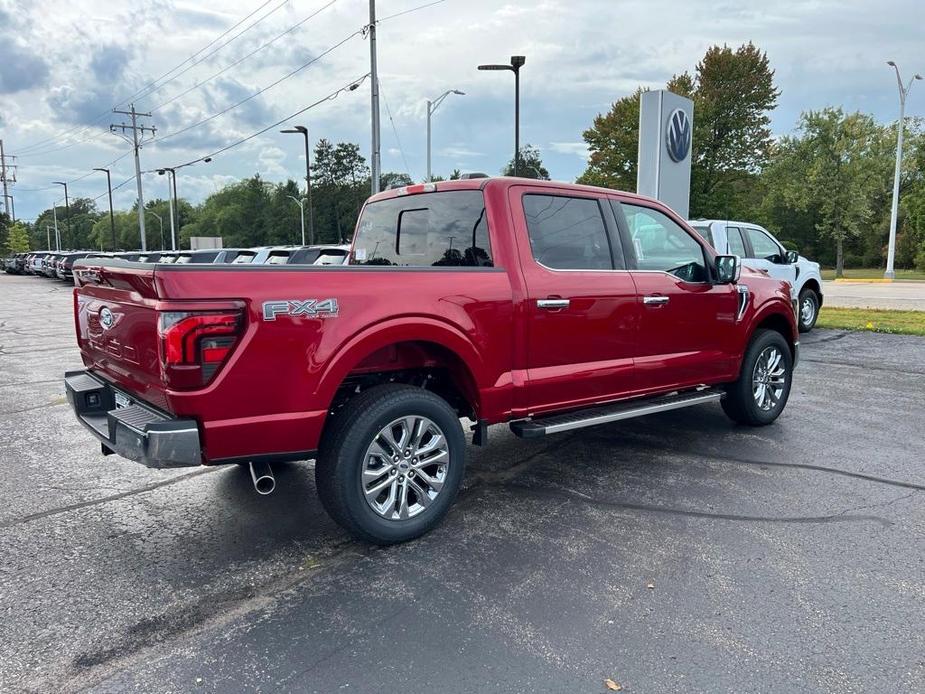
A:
[907,296]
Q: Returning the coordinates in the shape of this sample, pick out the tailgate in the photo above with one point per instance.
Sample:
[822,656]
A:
[116,319]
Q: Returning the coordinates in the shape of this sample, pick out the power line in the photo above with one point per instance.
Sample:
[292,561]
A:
[153,89]
[395,131]
[409,11]
[260,91]
[241,60]
[105,113]
[349,87]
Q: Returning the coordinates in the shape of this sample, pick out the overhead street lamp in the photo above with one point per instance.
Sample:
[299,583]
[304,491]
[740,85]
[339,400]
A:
[308,185]
[432,106]
[112,219]
[903,93]
[172,199]
[517,62]
[301,204]
[67,210]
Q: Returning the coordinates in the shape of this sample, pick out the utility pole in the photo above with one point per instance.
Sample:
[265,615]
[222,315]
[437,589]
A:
[7,176]
[48,236]
[375,166]
[136,143]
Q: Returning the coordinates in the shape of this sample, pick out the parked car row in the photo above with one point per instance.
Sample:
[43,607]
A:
[58,264]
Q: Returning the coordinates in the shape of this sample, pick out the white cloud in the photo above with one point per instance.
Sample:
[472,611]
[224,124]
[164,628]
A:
[579,149]
[580,57]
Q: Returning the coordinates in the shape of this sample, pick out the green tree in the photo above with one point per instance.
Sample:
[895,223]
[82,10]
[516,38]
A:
[613,142]
[18,238]
[825,171]
[529,165]
[733,92]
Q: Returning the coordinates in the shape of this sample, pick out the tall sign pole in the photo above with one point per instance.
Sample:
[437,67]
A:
[374,89]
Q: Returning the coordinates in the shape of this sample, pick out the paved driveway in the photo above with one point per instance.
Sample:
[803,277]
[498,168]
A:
[673,553]
[907,296]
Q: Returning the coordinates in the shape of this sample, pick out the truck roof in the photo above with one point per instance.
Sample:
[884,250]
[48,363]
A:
[492,182]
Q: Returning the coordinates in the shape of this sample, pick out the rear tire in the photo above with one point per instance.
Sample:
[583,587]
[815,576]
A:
[760,394]
[391,463]
[807,310]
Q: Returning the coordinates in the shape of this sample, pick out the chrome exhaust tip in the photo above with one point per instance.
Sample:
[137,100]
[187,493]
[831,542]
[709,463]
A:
[262,475]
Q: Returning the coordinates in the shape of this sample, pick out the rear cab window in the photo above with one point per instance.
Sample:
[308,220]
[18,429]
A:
[707,233]
[439,229]
[567,233]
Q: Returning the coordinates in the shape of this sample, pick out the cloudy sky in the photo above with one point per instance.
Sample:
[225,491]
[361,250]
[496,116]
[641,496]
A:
[65,65]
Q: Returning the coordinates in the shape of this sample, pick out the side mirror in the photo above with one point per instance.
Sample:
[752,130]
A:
[728,268]
[792,257]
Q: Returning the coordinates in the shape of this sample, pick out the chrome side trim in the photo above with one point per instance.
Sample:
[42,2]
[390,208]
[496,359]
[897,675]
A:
[744,295]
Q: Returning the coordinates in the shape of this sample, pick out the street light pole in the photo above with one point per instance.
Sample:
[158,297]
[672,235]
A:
[308,184]
[112,219]
[67,210]
[54,212]
[517,62]
[432,106]
[894,212]
[174,201]
[161,222]
[301,204]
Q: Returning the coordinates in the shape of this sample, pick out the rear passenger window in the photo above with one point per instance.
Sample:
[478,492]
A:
[567,233]
[736,244]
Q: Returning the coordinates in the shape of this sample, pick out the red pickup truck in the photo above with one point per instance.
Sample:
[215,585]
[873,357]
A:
[546,305]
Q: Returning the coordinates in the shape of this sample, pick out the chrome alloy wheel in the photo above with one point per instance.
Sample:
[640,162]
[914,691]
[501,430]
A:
[769,378]
[405,467]
[807,310]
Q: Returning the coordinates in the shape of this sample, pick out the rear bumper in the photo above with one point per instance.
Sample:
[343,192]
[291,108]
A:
[137,432]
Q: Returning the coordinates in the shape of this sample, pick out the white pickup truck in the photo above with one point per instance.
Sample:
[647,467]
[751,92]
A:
[761,251]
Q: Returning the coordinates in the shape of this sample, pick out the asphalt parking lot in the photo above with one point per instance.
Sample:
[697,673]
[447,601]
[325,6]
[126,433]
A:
[673,553]
[903,296]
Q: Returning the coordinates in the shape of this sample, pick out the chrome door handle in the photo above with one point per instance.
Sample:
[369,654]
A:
[552,303]
[656,300]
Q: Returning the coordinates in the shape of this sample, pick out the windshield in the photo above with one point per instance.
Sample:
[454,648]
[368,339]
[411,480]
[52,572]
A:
[431,229]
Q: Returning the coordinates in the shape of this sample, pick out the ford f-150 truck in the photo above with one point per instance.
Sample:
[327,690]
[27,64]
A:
[548,306]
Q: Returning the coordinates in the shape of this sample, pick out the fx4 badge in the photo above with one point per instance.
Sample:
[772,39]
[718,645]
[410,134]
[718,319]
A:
[313,308]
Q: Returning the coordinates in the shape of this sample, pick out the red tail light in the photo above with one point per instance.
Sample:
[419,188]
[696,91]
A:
[194,344]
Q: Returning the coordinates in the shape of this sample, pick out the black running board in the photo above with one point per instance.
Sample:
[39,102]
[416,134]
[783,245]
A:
[603,414]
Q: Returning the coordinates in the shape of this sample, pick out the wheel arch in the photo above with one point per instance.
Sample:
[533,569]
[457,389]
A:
[401,346]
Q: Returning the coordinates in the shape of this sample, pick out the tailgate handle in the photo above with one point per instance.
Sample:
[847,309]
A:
[552,304]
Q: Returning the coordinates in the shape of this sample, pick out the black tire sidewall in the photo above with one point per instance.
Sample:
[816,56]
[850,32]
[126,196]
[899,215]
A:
[804,328]
[745,400]
[392,403]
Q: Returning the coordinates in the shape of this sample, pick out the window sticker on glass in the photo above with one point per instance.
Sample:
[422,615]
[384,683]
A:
[360,254]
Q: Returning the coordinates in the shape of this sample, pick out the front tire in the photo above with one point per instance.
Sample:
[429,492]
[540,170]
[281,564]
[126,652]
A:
[808,310]
[760,394]
[391,463]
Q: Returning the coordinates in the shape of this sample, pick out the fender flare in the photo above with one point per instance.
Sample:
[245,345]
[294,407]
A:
[393,331]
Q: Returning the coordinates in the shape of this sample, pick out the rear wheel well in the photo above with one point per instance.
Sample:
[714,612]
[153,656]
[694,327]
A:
[422,364]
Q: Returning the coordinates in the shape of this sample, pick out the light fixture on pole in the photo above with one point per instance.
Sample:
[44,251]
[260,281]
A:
[517,62]
[894,212]
[67,210]
[431,108]
[173,201]
[112,219]
[308,185]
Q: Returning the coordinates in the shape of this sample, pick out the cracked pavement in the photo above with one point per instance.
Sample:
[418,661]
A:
[675,552]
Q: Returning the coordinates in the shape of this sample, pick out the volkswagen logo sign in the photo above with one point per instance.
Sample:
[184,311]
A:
[106,318]
[678,135]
